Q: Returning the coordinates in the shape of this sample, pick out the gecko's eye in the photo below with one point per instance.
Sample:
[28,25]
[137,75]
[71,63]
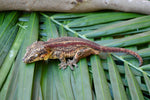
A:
[36,55]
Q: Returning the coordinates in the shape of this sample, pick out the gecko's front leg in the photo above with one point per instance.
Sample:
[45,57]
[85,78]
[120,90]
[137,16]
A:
[59,55]
[63,63]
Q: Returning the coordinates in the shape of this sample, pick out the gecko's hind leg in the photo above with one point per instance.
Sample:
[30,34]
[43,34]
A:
[81,54]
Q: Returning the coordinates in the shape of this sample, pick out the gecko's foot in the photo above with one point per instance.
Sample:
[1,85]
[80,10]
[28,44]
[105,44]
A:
[72,63]
[62,66]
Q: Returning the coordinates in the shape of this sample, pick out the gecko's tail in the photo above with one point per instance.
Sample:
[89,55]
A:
[113,49]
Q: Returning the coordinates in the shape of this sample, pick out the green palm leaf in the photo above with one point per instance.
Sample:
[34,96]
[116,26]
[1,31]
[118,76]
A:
[110,77]
[120,27]
[117,85]
[100,81]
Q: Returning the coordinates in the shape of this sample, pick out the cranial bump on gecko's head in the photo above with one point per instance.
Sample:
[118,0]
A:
[35,52]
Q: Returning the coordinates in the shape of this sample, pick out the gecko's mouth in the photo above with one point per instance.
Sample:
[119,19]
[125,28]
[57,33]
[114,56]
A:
[27,60]
[24,60]
[31,59]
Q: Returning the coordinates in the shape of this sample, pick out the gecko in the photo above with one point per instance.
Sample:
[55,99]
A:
[69,47]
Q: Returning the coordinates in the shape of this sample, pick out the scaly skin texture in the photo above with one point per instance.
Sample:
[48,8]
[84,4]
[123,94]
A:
[68,47]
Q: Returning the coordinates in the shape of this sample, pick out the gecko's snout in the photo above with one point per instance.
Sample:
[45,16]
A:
[24,60]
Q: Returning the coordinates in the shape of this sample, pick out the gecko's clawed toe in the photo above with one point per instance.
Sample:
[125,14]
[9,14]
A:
[76,65]
[71,67]
[72,63]
[63,65]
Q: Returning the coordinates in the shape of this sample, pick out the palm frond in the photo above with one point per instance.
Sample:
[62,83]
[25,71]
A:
[112,77]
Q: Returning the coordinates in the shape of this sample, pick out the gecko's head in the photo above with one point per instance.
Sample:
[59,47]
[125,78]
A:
[35,52]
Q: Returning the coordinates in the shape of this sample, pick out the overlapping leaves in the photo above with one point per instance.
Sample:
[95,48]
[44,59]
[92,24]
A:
[96,78]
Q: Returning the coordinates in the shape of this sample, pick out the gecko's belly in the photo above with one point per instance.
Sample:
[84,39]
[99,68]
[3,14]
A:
[66,52]
[57,54]
[69,54]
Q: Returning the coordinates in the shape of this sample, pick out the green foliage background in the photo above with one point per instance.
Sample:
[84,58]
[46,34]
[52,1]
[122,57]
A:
[111,77]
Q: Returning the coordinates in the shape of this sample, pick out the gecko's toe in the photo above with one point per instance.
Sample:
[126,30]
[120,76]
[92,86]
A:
[72,63]
[75,65]
[71,67]
[63,66]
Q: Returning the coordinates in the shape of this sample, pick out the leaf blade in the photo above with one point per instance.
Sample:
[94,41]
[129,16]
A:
[134,88]
[116,82]
[100,81]
[100,18]
[133,24]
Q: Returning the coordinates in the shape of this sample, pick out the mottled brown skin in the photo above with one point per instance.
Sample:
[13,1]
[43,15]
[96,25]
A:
[68,47]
